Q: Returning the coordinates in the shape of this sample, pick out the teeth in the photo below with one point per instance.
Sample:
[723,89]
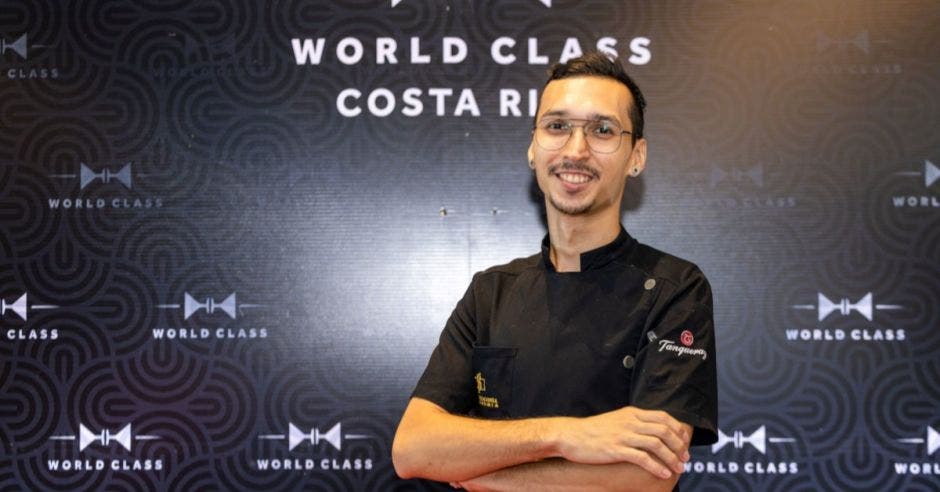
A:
[573,178]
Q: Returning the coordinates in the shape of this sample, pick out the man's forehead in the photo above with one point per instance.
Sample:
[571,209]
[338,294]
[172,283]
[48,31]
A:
[586,97]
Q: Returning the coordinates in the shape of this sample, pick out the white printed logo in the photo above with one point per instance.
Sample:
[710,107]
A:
[739,440]
[191,306]
[933,440]
[86,175]
[86,437]
[931,173]
[334,436]
[757,439]
[20,307]
[861,41]
[18,46]
[754,174]
[670,346]
[844,306]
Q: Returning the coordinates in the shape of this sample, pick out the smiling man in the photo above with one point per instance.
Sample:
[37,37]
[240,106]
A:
[588,366]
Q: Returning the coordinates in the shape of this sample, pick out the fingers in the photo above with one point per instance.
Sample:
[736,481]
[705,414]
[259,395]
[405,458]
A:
[650,439]
[663,436]
[679,434]
[661,417]
[647,462]
[656,451]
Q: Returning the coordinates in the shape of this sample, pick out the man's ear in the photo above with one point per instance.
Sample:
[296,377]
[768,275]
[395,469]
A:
[530,155]
[637,160]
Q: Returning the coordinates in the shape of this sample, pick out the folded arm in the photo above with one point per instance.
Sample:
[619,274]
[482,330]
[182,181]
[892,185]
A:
[432,443]
[557,474]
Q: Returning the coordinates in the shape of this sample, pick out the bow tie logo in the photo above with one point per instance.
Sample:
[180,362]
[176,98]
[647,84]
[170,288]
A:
[931,173]
[932,440]
[860,41]
[88,176]
[754,174]
[18,46]
[334,436]
[191,306]
[844,307]
[18,306]
[864,306]
[757,439]
[21,307]
[123,437]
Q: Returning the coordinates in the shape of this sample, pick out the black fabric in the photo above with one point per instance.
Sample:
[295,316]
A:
[527,341]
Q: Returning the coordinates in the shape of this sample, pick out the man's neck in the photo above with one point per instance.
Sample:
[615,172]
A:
[571,235]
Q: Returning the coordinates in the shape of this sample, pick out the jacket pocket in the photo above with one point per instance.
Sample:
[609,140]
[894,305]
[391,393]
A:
[493,369]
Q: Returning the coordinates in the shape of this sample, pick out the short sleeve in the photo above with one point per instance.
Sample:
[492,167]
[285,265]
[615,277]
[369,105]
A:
[447,380]
[676,364]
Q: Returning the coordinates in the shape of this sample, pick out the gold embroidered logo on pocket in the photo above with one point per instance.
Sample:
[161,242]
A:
[485,401]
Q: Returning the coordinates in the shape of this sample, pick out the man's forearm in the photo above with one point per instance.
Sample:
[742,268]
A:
[561,475]
[430,443]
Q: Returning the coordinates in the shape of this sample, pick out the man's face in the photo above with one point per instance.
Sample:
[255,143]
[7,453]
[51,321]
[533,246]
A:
[575,179]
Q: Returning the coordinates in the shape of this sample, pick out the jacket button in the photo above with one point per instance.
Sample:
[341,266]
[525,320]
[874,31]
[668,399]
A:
[628,362]
[649,284]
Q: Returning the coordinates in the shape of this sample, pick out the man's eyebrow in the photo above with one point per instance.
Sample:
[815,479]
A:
[555,112]
[591,117]
[603,117]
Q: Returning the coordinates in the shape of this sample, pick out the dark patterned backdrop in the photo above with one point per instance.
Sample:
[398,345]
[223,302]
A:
[231,231]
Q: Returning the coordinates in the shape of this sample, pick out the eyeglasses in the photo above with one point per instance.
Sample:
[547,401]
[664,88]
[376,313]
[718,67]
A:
[602,136]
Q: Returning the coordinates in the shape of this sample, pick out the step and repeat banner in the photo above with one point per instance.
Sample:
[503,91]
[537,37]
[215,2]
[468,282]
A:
[231,231]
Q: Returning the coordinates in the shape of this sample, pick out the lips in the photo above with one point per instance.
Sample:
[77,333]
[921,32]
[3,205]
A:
[573,176]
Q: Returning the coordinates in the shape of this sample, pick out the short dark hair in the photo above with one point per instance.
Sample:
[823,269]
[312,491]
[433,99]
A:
[598,64]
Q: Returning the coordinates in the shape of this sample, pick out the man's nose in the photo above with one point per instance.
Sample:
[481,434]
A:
[577,146]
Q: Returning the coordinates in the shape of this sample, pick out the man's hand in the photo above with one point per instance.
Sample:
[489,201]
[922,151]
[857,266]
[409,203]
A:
[651,439]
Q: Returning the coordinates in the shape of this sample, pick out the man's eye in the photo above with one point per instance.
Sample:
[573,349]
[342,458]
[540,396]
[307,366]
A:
[603,130]
[557,126]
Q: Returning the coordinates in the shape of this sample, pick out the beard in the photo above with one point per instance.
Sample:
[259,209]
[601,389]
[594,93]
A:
[571,209]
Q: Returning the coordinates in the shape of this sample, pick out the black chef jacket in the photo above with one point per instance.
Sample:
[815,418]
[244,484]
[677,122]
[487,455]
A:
[633,327]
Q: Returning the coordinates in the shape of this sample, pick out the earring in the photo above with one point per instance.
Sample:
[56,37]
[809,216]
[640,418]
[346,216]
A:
[531,164]
[635,172]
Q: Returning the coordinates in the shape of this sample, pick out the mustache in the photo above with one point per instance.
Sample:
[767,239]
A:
[573,166]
